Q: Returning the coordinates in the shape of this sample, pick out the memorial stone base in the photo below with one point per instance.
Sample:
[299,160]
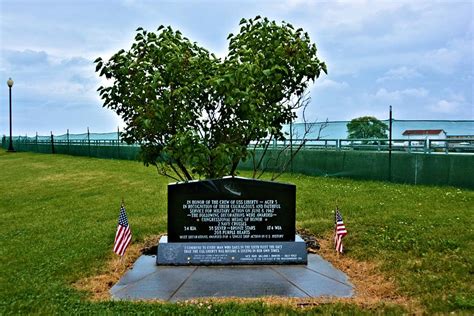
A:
[231,253]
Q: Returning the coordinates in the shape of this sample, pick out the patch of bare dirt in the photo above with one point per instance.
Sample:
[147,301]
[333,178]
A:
[99,285]
[371,286]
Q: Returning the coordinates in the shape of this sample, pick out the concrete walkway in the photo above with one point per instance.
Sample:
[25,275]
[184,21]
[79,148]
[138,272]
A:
[146,281]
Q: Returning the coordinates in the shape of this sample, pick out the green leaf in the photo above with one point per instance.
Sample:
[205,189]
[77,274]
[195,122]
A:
[324,68]
[99,65]
[165,82]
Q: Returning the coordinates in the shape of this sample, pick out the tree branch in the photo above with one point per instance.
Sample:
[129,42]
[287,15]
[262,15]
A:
[164,173]
[263,154]
[184,170]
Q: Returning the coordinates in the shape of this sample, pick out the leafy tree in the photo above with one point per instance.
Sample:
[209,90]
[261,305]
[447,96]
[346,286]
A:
[366,127]
[195,114]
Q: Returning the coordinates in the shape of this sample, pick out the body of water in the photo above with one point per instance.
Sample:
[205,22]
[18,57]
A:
[338,130]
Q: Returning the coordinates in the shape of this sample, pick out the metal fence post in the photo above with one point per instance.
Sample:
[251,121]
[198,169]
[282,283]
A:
[89,141]
[52,143]
[67,137]
[390,146]
[118,142]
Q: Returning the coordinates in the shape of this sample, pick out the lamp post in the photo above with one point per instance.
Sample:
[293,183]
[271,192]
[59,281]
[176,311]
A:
[10,85]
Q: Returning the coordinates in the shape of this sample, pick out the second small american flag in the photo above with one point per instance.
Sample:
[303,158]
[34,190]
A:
[340,232]
[124,234]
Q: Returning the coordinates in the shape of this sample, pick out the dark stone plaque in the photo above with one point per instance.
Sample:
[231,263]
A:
[231,209]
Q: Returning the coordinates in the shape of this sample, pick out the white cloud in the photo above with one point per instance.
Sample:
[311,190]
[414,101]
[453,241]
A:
[324,83]
[400,73]
[452,104]
[397,95]
[352,16]
[444,106]
[40,74]
[449,58]
[292,4]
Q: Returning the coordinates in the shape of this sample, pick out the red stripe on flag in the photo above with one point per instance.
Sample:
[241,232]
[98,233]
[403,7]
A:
[122,240]
[123,236]
[339,232]
[118,237]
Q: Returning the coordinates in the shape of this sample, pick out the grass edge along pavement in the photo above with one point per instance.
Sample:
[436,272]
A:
[60,215]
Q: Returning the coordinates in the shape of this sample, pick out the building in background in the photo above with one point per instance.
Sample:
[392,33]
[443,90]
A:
[424,134]
[422,137]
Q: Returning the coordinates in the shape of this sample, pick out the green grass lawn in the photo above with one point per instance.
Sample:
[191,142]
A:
[58,217]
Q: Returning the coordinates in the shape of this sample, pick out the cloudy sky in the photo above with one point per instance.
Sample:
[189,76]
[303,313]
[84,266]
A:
[414,55]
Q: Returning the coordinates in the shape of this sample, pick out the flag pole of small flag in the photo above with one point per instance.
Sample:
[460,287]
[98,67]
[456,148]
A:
[339,232]
[124,234]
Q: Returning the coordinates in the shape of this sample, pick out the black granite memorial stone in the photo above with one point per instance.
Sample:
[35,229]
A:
[231,209]
[231,221]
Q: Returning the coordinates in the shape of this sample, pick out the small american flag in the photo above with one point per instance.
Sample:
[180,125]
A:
[123,235]
[339,232]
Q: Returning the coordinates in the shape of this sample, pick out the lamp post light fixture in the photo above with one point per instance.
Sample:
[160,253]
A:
[10,85]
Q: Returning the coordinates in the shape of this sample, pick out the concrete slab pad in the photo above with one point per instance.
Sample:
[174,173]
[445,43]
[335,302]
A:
[237,281]
[319,265]
[160,285]
[314,284]
[141,268]
[146,280]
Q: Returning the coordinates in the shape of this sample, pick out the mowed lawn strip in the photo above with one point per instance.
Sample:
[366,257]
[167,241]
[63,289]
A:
[59,215]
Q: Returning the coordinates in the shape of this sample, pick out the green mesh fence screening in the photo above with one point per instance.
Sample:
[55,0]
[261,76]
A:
[413,168]
[432,166]
[108,149]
